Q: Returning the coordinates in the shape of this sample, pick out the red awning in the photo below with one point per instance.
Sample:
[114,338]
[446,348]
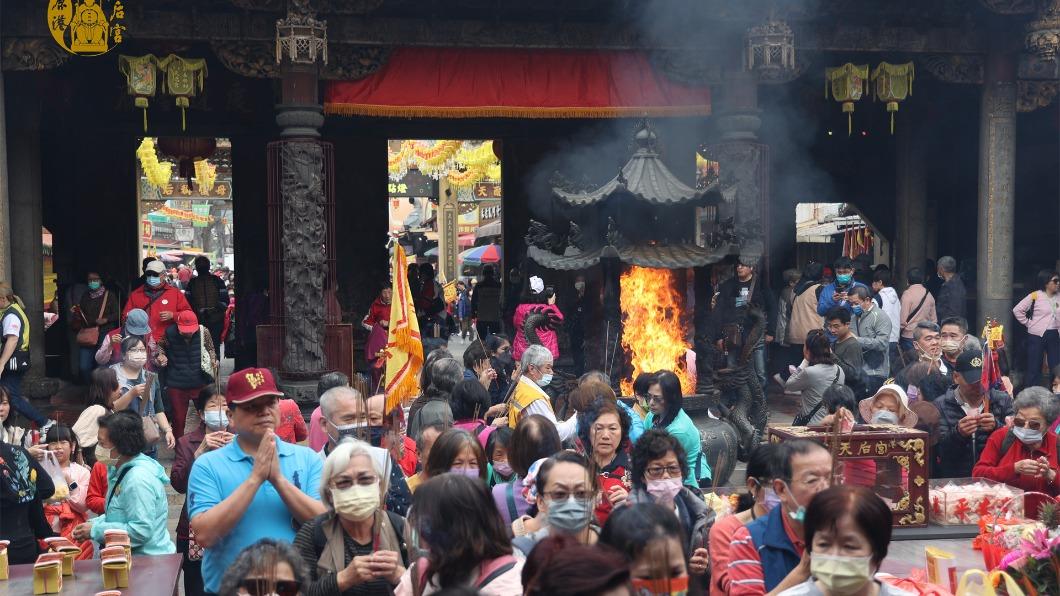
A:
[467,83]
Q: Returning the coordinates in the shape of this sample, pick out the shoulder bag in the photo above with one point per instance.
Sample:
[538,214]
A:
[88,337]
[804,419]
[151,435]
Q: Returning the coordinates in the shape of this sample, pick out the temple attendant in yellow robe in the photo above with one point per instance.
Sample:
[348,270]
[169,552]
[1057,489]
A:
[528,397]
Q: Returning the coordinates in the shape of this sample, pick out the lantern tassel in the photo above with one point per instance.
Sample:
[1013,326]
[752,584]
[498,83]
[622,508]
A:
[145,119]
[892,123]
[183,120]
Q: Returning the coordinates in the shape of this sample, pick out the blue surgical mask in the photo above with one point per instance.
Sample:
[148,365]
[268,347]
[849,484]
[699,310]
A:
[154,281]
[94,285]
[1028,436]
[571,516]
[844,278]
[545,380]
[215,419]
[857,309]
[799,514]
[885,417]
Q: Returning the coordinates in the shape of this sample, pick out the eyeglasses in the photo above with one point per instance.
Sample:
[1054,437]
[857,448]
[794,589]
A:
[562,495]
[1055,280]
[656,399]
[265,587]
[344,483]
[1030,424]
[660,472]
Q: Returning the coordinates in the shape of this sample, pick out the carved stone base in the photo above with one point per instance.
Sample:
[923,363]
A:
[303,392]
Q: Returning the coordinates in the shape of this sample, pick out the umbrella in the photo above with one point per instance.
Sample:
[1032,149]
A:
[490,253]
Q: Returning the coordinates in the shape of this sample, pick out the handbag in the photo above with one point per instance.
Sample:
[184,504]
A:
[804,419]
[205,362]
[88,337]
[151,435]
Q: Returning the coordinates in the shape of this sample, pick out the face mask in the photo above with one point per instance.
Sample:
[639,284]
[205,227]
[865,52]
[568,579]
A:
[664,491]
[356,503]
[375,435]
[545,380]
[950,346]
[579,285]
[137,359]
[799,514]
[770,501]
[858,310]
[830,336]
[103,456]
[841,575]
[570,516]
[216,419]
[885,417]
[345,430]
[93,285]
[844,278]
[660,587]
[503,468]
[1028,436]
[154,281]
[469,472]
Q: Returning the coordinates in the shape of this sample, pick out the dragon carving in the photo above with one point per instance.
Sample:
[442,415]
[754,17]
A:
[742,401]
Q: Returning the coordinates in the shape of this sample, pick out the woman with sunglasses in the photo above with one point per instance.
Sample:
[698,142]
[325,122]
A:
[652,541]
[659,470]
[355,547]
[1039,312]
[1024,455]
[266,568]
[665,400]
[566,493]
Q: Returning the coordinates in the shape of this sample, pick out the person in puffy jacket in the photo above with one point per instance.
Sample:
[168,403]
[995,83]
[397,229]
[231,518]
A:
[541,299]
[136,495]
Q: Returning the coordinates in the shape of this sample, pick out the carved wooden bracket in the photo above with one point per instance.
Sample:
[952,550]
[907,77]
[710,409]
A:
[1031,95]
[32,53]
[953,68]
[257,59]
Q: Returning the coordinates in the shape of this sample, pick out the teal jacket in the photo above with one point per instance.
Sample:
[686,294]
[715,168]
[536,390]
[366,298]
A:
[686,433]
[137,503]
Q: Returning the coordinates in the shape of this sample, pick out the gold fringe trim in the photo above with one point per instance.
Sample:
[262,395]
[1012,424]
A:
[350,109]
[408,376]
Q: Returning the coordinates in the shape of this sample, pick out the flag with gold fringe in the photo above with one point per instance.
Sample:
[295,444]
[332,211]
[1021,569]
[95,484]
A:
[404,352]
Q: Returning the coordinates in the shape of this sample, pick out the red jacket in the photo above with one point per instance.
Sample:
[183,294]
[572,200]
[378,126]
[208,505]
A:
[1001,467]
[291,428]
[97,489]
[171,300]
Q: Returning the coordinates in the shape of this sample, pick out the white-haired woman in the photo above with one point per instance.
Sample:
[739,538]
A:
[356,545]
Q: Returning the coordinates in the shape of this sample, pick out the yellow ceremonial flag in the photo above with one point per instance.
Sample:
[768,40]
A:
[404,352]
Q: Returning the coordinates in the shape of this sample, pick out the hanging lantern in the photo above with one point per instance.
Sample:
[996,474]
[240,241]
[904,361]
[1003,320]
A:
[894,83]
[186,151]
[141,79]
[848,84]
[770,52]
[185,78]
[301,38]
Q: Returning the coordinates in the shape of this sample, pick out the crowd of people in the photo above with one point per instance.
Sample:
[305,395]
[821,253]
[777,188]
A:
[481,485]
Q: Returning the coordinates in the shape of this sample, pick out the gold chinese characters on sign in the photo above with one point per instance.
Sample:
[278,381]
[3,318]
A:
[86,27]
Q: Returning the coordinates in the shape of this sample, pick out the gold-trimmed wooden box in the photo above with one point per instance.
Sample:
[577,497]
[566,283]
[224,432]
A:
[892,460]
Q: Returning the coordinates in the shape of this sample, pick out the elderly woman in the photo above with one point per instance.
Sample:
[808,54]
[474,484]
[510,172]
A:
[1024,454]
[356,547]
[604,440]
[847,532]
[434,407]
[266,567]
[136,497]
[890,405]
[665,400]
[659,470]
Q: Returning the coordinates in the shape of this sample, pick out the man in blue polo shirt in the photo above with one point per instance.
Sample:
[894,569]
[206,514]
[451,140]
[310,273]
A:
[254,487]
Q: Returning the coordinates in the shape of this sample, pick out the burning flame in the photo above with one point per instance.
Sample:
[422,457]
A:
[652,331]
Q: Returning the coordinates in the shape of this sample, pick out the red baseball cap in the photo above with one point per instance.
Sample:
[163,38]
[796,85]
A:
[249,384]
[187,322]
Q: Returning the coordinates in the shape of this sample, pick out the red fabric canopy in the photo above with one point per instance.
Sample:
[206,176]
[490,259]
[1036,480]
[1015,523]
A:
[463,83]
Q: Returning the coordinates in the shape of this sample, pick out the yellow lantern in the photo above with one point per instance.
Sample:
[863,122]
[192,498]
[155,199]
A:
[848,83]
[141,79]
[894,82]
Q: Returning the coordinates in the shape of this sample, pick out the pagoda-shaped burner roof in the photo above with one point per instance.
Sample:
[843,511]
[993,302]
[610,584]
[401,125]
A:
[645,177]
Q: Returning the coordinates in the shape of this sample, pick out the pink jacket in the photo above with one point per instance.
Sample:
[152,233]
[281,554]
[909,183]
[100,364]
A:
[548,336]
[1046,313]
[910,298]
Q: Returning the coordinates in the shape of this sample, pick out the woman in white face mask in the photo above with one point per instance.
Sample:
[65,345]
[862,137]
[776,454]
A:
[847,531]
[356,544]
[132,379]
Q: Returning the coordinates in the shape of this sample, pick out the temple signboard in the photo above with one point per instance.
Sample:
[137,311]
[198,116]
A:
[487,190]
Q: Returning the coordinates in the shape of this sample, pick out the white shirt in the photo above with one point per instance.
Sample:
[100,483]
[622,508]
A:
[566,429]
[892,306]
[12,325]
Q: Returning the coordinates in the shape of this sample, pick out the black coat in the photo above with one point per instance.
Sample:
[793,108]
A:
[184,370]
[956,454]
[952,300]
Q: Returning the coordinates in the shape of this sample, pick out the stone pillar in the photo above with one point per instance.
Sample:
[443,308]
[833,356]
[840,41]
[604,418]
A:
[300,117]
[25,196]
[997,157]
[5,228]
[911,202]
[744,163]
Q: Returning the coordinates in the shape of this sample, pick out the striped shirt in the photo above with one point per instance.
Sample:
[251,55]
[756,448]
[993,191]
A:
[745,563]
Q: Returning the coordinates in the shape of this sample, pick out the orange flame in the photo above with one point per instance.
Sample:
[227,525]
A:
[652,331]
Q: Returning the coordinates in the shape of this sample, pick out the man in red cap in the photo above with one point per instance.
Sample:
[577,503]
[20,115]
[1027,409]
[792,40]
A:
[186,352]
[229,505]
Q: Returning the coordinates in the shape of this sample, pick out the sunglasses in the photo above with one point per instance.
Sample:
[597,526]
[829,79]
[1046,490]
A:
[265,587]
[1030,424]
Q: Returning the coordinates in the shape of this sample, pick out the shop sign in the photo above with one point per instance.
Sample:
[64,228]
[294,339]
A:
[86,27]
[147,229]
[414,184]
[487,190]
[488,211]
[180,189]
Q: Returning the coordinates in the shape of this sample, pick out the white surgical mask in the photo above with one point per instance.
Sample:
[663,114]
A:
[884,417]
[136,359]
[216,419]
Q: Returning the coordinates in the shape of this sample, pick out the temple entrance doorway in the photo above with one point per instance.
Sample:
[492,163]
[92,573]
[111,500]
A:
[827,231]
[445,208]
